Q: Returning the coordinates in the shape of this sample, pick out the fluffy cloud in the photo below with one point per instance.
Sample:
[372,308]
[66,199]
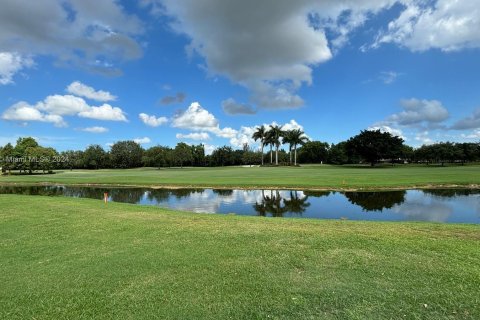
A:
[292,125]
[231,107]
[105,112]
[471,122]
[417,112]
[152,121]
[197,118]
[199,136]
[54,107]
[63,105]
[10,64]
[75,31]
[444,24]
[79,89]
[95,129]
[23,112]
[144,140]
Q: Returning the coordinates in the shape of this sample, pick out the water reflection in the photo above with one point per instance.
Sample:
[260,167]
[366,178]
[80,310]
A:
[457,205]
[451,193]
[376,201]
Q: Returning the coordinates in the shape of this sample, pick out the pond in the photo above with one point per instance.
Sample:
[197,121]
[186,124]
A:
[438,205]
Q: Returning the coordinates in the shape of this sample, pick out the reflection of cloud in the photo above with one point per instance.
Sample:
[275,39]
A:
[424,210]
[210,201]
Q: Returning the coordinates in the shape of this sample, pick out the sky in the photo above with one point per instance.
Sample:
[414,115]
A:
[80,72]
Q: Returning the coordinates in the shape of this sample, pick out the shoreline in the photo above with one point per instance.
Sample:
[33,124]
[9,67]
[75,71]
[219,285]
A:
[233,187]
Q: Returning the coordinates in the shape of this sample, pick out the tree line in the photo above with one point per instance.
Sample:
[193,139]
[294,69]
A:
[284,147]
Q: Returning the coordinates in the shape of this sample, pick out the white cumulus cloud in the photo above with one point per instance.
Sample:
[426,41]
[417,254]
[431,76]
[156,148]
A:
[444,24]
[104,112]
[23,112]
[152,121]
[196,118]
[79,89]
[66,105]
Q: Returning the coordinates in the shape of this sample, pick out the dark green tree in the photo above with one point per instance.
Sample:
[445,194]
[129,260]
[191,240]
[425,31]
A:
[6,158]
[314,152]
[183,154]
[94,157]
[373,146]
[126,154]
[337,154]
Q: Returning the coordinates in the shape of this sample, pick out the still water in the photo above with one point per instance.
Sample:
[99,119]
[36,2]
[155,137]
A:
[444,205]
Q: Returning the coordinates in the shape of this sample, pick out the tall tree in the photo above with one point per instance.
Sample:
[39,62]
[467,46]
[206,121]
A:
[260,134]
[276,134]
[313,152]
[288,138]
[94,157]
[375,145]
[269,141]
[296,137]
[6,158]
[183,153]
[126,154]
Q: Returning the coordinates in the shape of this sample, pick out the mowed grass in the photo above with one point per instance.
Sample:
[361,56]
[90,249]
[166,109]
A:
[321,177]
[64,258]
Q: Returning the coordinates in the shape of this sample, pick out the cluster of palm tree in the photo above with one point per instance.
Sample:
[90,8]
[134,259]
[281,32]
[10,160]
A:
[274,135]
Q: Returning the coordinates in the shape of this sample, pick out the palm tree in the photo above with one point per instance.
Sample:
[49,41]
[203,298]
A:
[270,142]
[297,137]
[287,138]
[276,134]
[260,134]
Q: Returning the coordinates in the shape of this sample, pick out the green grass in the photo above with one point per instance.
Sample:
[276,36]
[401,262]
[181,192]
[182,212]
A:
[320,177]
[64,258]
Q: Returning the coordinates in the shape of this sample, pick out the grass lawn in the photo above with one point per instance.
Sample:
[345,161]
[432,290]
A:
[320,177]
[79,258]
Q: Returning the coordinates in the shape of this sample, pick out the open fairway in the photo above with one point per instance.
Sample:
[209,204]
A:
[308,177]
[79,258]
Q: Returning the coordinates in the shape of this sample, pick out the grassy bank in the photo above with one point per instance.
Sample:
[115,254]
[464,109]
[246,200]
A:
[79,258]
[312,177]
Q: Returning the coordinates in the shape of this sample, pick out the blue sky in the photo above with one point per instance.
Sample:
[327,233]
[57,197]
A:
[80,72]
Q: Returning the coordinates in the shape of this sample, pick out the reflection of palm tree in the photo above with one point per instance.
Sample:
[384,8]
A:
[296,204]
[376,201]
[223,192]
[271,204]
